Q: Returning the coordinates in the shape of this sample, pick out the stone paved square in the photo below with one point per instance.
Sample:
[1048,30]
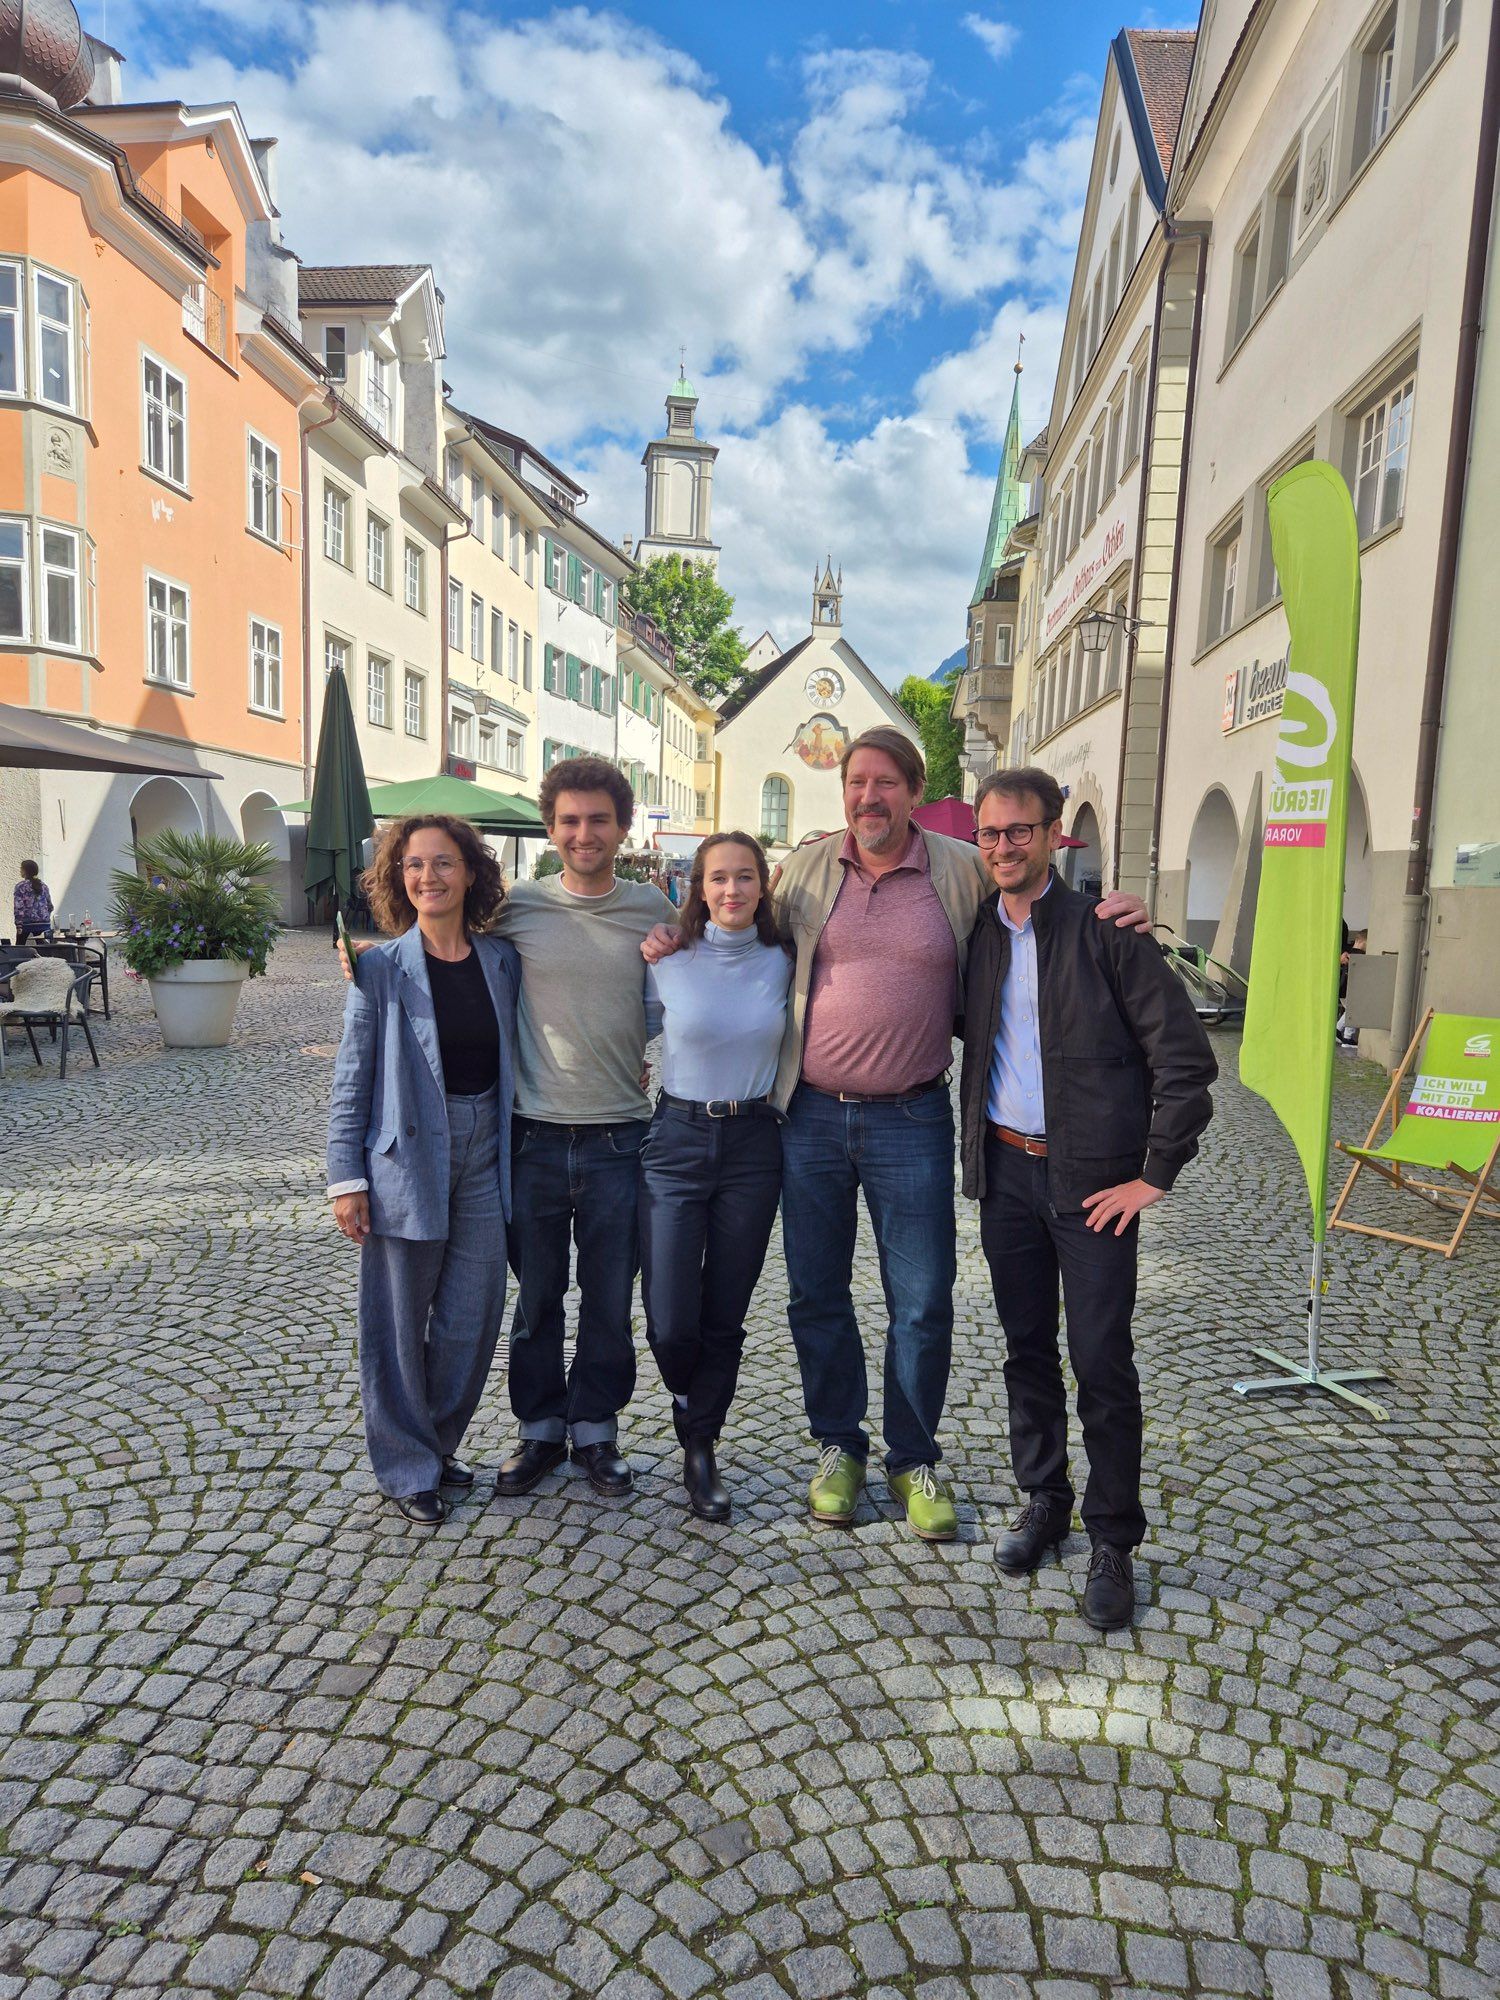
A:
[258,1737]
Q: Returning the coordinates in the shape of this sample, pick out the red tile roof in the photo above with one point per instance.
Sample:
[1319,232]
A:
[1164,63]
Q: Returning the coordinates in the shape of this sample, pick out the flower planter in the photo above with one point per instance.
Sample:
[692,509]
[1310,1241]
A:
[195,1001]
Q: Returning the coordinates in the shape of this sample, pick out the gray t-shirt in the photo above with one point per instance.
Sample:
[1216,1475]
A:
[581,1020]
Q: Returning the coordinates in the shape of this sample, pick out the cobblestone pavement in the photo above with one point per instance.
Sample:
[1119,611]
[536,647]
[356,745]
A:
[257,1736]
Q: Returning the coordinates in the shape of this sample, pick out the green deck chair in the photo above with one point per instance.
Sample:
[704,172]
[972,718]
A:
[1446,1120]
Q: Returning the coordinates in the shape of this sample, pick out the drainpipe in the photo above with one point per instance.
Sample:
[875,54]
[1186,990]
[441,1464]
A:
[450,534]
[1414,905]
[1170,651]
[307,677]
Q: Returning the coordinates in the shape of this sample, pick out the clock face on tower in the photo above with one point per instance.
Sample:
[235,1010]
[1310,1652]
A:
[823,685]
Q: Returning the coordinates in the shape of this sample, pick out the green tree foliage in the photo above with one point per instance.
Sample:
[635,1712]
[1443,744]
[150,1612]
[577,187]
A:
[926,702]
[692,608]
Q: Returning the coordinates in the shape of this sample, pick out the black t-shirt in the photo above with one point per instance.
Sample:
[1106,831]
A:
[468,1032]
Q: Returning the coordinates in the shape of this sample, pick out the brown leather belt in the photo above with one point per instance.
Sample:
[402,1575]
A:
[1035,1149]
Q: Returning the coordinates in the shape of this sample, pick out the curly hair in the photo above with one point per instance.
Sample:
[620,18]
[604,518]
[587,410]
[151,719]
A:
[385,886]
[586,774]
[695,908]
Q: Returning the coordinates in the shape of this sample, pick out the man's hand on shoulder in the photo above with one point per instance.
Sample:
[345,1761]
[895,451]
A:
[660,942]
[361,946]
[1128,913]
[1124,1202]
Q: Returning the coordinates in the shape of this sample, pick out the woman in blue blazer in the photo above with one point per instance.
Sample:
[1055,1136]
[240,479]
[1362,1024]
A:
[419,1151]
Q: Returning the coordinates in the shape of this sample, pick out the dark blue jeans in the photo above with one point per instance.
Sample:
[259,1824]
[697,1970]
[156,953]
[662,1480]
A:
[1028,1243]
[709,1188]
[573,1184]
[901,1157]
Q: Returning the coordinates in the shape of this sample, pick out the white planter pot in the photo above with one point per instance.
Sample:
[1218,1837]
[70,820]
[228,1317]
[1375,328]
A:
[195,1001]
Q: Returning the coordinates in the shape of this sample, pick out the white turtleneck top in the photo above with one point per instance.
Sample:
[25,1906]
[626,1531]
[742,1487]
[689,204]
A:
[720,1008]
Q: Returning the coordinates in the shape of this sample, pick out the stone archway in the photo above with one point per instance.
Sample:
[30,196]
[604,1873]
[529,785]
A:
[1083,867]
[1212,845]
[162,805]
[262,823]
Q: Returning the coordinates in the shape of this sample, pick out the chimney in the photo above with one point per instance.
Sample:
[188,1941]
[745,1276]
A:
[265,159]
[106,87]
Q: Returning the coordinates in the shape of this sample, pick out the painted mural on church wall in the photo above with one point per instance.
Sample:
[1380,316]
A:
[821,742]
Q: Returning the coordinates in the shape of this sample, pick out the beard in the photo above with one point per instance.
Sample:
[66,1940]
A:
[875,832]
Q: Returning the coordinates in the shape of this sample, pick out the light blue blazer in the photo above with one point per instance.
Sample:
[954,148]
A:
[388,1122]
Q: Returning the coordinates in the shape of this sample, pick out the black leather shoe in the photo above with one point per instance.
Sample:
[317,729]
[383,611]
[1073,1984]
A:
[425,1509]
[456,1473]
[528,1465]
[700,1475]
[1109,1594]
[1038,1530]
[607,1471]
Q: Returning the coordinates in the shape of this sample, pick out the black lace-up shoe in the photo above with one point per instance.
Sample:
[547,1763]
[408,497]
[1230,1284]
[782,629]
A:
[456,1473]
[607,1471]
[1109,1594]
[1037,1531]
[528,1465]
[423,1510]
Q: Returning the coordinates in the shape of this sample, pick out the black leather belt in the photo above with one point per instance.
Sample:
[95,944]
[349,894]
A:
[883,1096]
[722,1107]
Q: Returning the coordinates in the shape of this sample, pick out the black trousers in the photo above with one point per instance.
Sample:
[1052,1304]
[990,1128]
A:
[1028,1244]
[709,1189]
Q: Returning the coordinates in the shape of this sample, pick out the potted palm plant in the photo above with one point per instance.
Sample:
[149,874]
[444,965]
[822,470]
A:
[199,918]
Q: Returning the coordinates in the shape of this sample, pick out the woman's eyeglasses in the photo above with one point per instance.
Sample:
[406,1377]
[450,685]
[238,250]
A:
[1018,835]
[444,865]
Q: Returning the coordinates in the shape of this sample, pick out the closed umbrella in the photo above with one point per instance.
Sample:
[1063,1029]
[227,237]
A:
[339,820]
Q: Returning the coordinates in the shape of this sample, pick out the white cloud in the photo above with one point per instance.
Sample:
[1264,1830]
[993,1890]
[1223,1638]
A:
[587,204]
[999,37]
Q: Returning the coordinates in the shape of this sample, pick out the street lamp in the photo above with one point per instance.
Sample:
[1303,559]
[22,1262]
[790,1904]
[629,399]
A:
[1097,628]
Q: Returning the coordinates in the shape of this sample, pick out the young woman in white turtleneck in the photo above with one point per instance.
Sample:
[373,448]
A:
[711,1163]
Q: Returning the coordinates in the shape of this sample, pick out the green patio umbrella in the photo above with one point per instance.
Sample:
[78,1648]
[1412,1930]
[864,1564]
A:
[340,817]
[493,812]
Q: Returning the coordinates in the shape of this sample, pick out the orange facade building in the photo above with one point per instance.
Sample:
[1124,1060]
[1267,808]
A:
[153,394]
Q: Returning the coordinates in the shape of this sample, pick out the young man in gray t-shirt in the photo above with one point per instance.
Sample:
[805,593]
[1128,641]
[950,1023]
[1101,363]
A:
[580,1117]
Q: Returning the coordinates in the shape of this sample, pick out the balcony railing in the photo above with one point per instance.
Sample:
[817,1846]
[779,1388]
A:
[206,317]
[646,632]
[165,209]
[377,407]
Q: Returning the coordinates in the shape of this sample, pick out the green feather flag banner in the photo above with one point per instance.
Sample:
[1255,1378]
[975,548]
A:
[1292,1010]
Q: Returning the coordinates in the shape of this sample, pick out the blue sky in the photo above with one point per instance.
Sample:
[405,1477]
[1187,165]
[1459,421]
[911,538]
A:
[846,213]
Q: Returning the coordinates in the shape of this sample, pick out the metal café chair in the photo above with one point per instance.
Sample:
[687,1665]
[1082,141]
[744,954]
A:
[48,993]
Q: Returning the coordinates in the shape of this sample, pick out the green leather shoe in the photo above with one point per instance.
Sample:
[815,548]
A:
[928,1501]
[835,1489]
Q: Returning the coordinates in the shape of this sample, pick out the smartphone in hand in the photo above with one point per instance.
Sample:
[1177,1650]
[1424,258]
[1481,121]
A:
[351,956]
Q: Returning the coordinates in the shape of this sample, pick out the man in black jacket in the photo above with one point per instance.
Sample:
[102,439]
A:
[1085,1090]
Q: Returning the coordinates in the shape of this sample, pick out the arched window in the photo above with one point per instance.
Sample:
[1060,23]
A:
[775,810]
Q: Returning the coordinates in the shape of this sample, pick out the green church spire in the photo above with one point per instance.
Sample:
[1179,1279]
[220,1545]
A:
[1010,495]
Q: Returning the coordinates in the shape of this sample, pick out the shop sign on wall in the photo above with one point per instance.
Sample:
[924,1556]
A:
[1101,554]
[1254,693]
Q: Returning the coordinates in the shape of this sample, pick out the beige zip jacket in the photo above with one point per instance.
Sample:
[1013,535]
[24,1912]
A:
[802,900]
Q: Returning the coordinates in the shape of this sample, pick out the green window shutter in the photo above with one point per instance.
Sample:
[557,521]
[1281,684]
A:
[599,584]
[551,549]
[574,677]
[549,669]
[575,577]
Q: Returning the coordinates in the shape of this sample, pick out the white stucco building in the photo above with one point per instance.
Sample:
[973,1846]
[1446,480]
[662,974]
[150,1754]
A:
[1113,478]
[377,515]
[783,731]
[1329,150]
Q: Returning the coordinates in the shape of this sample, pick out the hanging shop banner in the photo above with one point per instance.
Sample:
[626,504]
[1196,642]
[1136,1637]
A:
[1287,1053]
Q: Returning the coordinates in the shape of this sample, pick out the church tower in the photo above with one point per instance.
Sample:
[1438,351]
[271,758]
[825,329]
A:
[680,485]
[828,599]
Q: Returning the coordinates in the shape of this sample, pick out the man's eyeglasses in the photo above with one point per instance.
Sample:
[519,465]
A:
[1018,835]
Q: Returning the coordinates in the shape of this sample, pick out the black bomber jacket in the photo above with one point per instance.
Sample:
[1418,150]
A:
[1126,1066]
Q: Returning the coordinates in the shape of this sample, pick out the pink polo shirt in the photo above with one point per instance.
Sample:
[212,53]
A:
[884,991]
